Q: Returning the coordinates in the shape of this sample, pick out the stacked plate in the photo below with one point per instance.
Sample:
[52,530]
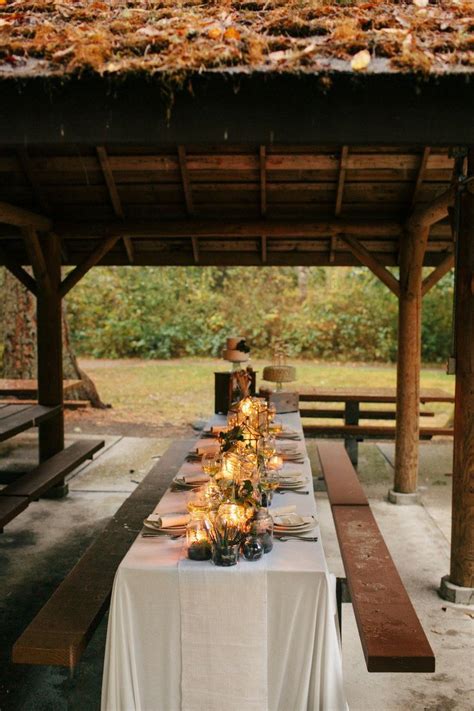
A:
[293,524]
[291,481]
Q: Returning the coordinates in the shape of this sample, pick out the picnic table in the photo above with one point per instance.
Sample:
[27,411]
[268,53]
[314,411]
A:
[352,399]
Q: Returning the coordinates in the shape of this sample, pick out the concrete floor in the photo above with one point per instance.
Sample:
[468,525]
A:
[44,542]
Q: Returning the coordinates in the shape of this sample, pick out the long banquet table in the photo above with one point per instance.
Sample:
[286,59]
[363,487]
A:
[189,636]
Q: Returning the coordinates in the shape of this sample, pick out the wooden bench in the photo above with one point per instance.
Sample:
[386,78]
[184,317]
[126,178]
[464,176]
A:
[18,418]
[62,629]
[15,497]
[391,634]
[67,404]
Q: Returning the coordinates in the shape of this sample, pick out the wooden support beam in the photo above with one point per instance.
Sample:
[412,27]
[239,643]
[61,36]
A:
[110,181]
[263,180]
[436,210]
[408,362]
[368,260]
[18,271]
[231,228]
[36,257]
[462,540]
[114,196]
[332,248]
[263,247]
[12,215]
[341,180]
[90,261]
[421,174]
[438,273]
[31,176]
[186,181]
[49,352]
[195,244]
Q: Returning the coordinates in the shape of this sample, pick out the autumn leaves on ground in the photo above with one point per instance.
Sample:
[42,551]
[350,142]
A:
[154,397]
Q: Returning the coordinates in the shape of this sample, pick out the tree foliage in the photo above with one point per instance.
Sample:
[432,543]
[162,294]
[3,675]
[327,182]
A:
[343,314]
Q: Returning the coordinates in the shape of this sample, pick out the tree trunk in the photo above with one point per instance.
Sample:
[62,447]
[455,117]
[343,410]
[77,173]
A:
[19,336]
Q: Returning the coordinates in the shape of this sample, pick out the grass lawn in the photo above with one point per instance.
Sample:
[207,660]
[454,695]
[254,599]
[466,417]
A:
[176,392]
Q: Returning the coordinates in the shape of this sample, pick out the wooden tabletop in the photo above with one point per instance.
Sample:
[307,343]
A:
[368,395]
[29,388]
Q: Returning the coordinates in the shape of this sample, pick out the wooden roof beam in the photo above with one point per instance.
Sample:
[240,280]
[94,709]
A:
[368,260]
[263,180]
[438,273]
[18,271]
[114,196]
[341,180]
[90,261]
[421,174]
[19,217]
[231,228]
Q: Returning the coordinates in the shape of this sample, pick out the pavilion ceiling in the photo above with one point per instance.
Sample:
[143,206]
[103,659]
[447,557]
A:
[225,205]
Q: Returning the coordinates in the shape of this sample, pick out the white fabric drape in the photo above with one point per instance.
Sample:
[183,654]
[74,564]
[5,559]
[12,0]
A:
[187,636]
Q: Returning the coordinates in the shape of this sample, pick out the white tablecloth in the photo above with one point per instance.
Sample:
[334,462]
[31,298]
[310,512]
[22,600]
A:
[187,636]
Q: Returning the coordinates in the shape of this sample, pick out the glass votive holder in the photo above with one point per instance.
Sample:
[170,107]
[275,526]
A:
[197,537]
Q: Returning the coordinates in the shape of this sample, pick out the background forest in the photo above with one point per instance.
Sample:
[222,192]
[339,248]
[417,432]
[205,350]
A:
[341,314]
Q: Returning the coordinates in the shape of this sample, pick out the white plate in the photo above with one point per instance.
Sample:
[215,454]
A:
[293,520]
[295,531]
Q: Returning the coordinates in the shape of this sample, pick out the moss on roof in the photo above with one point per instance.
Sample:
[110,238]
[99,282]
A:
[173,37]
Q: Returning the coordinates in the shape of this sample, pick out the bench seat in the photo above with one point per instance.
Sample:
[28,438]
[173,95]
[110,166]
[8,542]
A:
[391,634]
[18,418]
[371,431]
[53,470]
[61,630]
[392,637]
[10,507]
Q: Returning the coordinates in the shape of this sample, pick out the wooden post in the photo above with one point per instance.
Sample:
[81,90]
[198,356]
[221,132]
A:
[50,362]
[409,357]
[462,540]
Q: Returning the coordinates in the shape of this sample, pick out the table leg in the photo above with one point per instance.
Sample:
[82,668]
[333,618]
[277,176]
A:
[351,417]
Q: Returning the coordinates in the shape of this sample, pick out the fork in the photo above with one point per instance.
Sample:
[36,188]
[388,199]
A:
[284,539]
[158,534]
[292,491]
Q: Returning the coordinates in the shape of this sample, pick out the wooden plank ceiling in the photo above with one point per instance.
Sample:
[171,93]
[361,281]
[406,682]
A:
[225,205]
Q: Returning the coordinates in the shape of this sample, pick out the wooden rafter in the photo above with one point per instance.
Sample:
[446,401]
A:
[263,180]
[186,181]
[421,173]
[232,228]
[36,257]
[12,215]
[31,176]
[263,247]
[114,196]
[368,260]
[341,180]
[18,271]
[90,261]
[438,273]
[195,245]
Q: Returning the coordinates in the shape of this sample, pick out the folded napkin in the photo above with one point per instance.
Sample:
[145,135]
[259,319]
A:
[168,520]
[282,474]
[290,519]
[194,478]
[279,510]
